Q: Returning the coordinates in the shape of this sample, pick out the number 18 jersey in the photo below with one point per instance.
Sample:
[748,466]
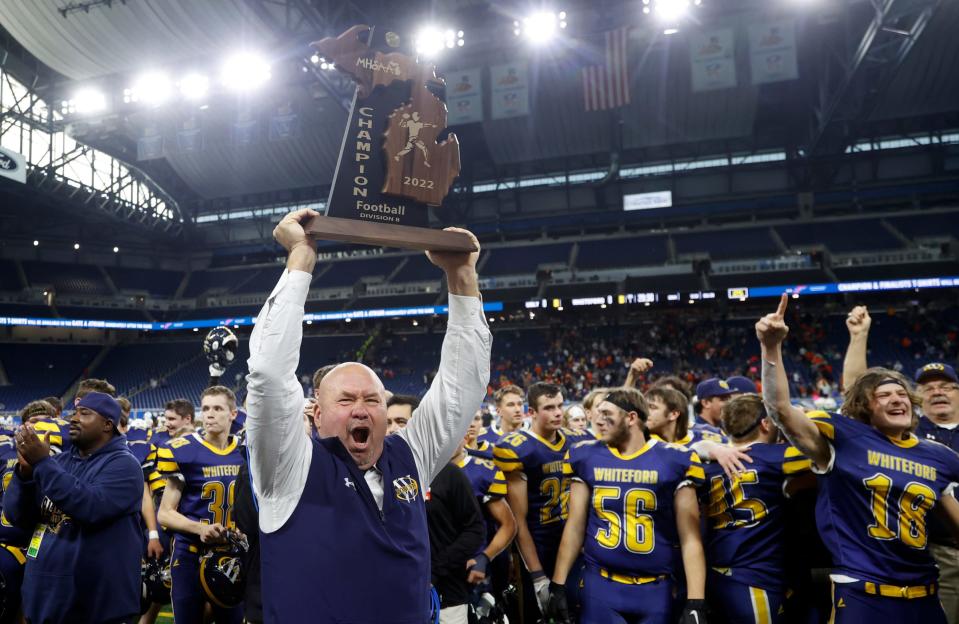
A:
[873,502]
[208,475]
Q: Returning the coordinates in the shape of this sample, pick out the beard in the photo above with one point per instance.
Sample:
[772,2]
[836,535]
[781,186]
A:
[616,434]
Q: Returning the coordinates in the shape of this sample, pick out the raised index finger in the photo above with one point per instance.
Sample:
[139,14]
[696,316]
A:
[783,302]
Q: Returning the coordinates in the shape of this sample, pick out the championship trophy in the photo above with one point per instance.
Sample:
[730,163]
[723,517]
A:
[391,167]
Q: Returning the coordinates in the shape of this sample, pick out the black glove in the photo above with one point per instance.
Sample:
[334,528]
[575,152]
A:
[694,612]
[557,610]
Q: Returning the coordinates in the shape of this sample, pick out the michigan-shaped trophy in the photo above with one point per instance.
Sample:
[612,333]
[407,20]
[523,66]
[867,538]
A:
[391,167]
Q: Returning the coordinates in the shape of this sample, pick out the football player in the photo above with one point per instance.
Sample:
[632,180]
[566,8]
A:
[633,503]
[489,486]
[178,416]
[537,478]
[745,537]
[878,484]
[474,445]
[509,409]
[197,501]
[712,395]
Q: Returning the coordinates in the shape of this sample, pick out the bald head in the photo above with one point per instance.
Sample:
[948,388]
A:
[351,405]
[352,373]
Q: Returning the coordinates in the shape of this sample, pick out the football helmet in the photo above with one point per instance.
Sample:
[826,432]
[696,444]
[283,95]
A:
[223,573]
[220,347]
[155,582]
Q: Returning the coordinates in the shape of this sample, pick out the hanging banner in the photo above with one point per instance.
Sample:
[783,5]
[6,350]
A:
[510,90]
[150,145]
[772,52]
[284,124]
[13,165]
[244,131]
[189,139]
[464,96]
[713,57]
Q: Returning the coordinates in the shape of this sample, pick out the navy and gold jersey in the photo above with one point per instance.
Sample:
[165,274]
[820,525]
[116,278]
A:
[208,476]
[160,437]
[483,450]
[59,431]
[547,480]
[9,534]
[137,435]
[873,503]
[141,449]
[745,516]
[696,434]
[153,477]
[491,435]
[631,528]
[487,480]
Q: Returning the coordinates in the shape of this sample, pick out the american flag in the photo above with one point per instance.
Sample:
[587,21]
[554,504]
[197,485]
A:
[607,86]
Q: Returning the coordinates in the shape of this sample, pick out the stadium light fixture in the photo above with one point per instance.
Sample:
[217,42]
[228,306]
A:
[244,71]
[76,246]
[540,27]
[152,88]
[87,101]
[36,243]
[116,249]
[194,86]
[432,40]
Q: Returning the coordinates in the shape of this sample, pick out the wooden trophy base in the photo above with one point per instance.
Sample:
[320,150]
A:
[388,235]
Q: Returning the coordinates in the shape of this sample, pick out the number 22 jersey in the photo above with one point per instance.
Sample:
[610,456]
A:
[208,475]
[874,500]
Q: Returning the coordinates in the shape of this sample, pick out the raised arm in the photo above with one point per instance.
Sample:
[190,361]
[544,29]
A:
[854,364]
[798,428]
[460,383]
[279,452]
[638,368]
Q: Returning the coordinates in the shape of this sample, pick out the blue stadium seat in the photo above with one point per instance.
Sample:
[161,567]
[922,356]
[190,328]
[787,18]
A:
[525,259]
[851,235]
[728,244]
[622,252]
[155,281]
[79,279]
[348,272]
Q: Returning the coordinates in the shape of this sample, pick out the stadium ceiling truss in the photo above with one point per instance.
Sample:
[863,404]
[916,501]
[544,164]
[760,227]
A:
[854,78]
[77,174]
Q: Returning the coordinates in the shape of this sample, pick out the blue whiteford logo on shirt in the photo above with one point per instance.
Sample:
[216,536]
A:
[406,488]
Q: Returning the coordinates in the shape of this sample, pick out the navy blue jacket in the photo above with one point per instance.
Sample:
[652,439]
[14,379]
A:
[87,568]
[362,565]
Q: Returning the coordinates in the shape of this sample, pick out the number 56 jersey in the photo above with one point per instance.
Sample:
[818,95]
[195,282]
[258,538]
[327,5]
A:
[874,500]
[631,528]
[208,475]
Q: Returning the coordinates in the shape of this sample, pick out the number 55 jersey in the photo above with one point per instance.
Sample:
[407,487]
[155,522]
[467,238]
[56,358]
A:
[874,499]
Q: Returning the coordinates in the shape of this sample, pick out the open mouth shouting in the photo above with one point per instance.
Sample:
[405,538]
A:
[359,437]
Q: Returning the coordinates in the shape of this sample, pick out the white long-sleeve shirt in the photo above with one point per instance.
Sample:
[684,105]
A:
[280,452]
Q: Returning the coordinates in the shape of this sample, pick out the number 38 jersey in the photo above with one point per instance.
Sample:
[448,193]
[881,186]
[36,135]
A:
[208,475]
[547,480]
[631,528]
[873,502]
